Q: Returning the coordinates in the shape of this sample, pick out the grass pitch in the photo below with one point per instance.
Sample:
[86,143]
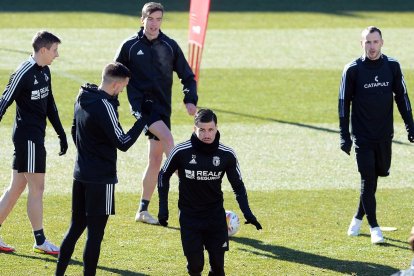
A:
[271,71]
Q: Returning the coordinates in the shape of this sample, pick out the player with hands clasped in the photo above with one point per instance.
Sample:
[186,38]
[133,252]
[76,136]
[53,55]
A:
[370,84]
[30,87]
[201,163]
[97,134]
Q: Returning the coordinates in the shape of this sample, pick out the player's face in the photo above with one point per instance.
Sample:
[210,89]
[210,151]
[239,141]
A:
[152,24]
[372,43]
[206,132]
[50,54]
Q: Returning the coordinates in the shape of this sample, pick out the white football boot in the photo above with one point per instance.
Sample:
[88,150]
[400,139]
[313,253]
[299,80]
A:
[46,248]
[145,217]
[354,227]
[4,247]
[376,235]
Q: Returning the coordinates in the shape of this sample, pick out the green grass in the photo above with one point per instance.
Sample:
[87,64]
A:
[271,71]
[303,234]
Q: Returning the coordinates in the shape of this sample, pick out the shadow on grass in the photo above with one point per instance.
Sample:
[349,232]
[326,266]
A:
[388,244]
[53,260]
[295,256]
[340,7]
[324,129]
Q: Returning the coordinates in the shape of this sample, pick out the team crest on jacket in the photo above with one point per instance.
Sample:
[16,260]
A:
[46,77]
[35,81]
[216,161]
[193,161]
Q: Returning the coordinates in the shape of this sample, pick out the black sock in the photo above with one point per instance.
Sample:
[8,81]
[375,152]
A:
[143,206]
[39,236]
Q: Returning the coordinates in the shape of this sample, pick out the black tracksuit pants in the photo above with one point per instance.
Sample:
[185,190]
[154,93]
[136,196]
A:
[373,159]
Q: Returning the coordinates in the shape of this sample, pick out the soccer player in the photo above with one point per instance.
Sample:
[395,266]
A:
[370,84]
[152,57]
[30,87]
[201,163]
[97,134]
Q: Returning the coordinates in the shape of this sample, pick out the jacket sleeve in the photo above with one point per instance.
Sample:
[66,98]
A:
[235,178]
[113,130]
[13,89]
[401,95]
[346,92]
[170,166]
[73,128]
[134,95]
[187,77]
[52,113]
[122,55]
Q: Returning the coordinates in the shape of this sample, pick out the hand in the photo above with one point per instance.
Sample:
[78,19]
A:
[146,107]
[163,222]
[254,222]
[163,216]
[191,109]
[63,144]
[346,144]
[410,130]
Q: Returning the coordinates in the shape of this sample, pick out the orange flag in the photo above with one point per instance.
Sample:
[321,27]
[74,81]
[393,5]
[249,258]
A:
[199,10]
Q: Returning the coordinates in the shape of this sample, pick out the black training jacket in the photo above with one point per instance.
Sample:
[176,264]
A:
[371,86]
[98,134]
[152,64]
[201,168]
[30,87]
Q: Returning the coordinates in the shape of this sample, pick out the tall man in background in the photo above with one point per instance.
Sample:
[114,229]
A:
[370,83]
[152,57]
[31,88]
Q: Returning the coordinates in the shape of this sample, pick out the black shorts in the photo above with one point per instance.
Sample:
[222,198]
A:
[157,117]
[29,157]
[92,199]
[373,157]
[199,233]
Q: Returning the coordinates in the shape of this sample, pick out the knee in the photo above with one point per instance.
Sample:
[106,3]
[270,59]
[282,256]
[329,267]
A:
[14,191]
[216,271]
[368,182]
[216,263]
[195,264]
[36,190]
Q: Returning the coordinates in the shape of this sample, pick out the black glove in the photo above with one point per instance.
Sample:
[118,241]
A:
[63,144]
[410,130]
[163,222]
[346,144]
[163,216]
[254,222]
[146,109]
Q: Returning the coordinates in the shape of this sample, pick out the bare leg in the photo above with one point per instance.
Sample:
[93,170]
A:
[12,194]
[36,184]
[156,149]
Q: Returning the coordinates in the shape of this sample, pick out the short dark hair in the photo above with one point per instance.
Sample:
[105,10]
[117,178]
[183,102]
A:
[205,115]
[115,71]
[151,7]
[44,39]
[372,29]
